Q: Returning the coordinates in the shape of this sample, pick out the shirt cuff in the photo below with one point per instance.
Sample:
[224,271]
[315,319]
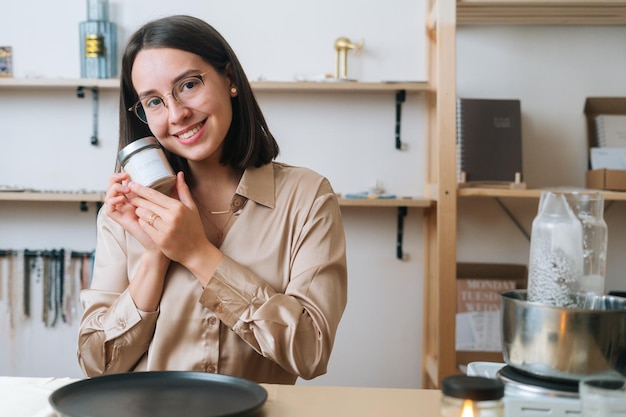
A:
[124,315]
[225,293]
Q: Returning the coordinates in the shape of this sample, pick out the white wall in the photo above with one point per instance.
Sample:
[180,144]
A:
[551,70]
[349,138]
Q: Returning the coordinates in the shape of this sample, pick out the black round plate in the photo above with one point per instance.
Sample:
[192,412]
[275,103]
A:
[159,394]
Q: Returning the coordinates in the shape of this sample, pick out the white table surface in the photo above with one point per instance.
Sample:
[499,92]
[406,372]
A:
[28,397]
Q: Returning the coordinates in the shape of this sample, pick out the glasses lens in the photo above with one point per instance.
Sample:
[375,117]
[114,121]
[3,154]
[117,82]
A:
[140,112]
[186,90]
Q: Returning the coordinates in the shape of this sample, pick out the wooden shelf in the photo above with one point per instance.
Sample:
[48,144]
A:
[329,87]
[386,202]
[538,12]
[439,347]
[52,197]
[531,193]
[261,86]
[58,83]
[98,197]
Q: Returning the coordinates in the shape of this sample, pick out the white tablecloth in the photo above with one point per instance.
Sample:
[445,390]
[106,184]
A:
[28,397]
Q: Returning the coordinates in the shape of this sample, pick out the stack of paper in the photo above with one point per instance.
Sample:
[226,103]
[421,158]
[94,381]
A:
[611,135]
[611,130]
[608,158]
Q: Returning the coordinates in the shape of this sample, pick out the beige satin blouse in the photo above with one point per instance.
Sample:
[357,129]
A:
[269,313]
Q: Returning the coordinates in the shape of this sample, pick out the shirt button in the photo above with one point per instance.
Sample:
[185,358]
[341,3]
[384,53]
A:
[210,369]
[237,203]
[121,323]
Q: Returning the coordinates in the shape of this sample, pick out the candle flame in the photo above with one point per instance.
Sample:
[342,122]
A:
[468,409]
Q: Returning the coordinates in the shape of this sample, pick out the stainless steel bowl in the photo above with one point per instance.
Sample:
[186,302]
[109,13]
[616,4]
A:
[564,343]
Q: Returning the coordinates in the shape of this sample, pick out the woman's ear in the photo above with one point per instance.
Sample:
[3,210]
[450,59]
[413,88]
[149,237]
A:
[231,80]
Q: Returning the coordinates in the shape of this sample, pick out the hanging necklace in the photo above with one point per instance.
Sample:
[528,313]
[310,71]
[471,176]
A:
[220,231]
[215,213]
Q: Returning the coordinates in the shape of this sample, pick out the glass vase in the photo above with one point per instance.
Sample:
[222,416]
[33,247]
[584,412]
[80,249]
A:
[98,42]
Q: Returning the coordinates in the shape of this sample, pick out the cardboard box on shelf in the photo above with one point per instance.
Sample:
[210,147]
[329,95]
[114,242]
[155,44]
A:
[606,179]
[478,308]
[603,179]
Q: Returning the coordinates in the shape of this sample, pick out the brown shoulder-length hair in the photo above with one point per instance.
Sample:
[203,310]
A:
[248,142]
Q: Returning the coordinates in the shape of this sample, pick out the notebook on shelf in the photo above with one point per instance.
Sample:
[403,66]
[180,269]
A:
[489,141]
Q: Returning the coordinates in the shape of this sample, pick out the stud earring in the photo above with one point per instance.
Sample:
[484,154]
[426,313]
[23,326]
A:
[233,91]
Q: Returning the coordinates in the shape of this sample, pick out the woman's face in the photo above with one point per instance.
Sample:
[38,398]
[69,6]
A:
[194,127]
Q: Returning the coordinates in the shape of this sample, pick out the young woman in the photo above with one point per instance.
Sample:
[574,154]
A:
[241,269]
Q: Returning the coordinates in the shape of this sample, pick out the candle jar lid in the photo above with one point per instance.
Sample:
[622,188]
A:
[135,146]
[475,388]
[145,163]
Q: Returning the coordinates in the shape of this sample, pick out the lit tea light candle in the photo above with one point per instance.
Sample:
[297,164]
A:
[471,396]
[468,408]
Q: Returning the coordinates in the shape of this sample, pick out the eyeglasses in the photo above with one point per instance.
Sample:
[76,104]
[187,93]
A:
[184,92]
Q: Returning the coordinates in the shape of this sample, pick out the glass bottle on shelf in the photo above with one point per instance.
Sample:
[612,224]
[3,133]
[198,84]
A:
[98,42]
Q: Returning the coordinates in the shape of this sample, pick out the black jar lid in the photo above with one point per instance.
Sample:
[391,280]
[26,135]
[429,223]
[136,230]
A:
[476,388]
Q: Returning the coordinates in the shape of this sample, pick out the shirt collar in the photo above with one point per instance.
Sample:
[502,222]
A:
[257,184]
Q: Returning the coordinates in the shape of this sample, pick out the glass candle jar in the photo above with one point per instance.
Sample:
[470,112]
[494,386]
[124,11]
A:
[603,396]
[146,164]
[471,396]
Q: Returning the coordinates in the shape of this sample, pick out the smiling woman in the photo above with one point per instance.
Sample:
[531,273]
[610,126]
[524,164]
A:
[200,99]
[241,268]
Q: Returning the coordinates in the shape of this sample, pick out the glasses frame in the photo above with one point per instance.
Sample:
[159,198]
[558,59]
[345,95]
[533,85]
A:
[134,108]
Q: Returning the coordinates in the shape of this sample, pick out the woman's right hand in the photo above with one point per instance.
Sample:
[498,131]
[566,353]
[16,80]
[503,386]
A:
[122,211]
[146,286]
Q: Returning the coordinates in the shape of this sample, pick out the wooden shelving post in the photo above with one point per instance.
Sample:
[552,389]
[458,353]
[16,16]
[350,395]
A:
[439,353]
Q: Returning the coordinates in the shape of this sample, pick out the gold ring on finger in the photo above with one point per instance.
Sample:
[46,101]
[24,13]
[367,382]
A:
[152,218]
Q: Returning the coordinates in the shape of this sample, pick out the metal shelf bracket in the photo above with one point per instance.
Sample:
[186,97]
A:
[80,93]
[400,98]
[401,215]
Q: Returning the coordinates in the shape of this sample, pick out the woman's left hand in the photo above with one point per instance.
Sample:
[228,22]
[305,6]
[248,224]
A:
[173,224]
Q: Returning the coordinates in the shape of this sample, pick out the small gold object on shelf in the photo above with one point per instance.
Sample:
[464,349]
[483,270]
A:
[342,46]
